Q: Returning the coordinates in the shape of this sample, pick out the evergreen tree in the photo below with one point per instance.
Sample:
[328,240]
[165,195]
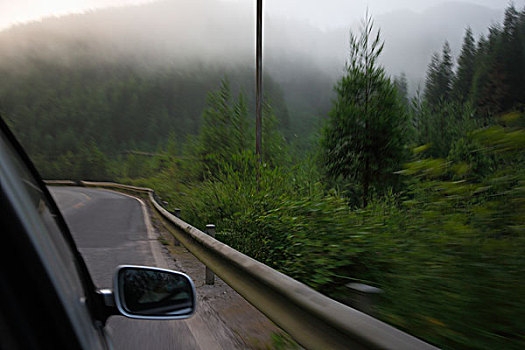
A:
[432,94]
[91,163]
[499,78]
[274,150]
[363,138]
[401,85]
[224,130]
[446,73]
[440,74]
[481,74]
[513,58]
[492,81]
[240,124]
[465,72]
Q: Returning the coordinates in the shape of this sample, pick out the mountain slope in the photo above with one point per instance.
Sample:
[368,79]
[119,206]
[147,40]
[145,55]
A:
[222,34]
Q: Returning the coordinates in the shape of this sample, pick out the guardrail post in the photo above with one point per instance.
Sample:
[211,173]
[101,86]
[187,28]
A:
[156,196]
[175,212]
[363,297]
[210,276]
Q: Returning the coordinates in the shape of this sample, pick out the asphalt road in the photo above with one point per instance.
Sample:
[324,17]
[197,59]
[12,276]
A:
[112,229]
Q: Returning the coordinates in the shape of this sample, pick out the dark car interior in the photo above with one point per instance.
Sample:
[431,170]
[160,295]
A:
[31,313]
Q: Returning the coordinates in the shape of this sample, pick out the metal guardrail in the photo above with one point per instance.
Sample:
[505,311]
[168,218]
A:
[312,319]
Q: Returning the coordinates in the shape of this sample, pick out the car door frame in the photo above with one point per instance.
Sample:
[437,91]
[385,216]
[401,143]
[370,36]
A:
[94,303]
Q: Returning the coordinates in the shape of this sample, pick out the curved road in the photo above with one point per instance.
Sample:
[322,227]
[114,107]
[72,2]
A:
[112,229]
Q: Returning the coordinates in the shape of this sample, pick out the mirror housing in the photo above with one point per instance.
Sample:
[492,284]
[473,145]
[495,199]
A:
[152,293]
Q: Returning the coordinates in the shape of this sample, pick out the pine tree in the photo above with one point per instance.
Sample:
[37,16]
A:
[401,85]
[499,78]
[513,59]
[224,130]
[481,73]
[440,74]
[492,77]
[240,124]
[363,138]
[432,94]
[446,73]
[465,72]
[274,150]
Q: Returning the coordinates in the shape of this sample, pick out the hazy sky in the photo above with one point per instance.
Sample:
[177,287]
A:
[322,13]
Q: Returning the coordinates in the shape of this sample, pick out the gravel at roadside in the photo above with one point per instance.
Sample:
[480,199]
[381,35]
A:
[231,321]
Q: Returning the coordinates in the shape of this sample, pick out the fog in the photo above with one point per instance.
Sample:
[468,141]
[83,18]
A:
[325,14]
[298,36]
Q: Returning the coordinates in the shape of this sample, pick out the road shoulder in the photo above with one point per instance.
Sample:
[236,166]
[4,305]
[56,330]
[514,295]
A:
[221,309]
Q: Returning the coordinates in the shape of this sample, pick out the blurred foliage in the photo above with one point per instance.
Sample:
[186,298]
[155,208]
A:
[363,140]
[441,126]
[446,247]
[442,235]
[447,251]
[455,261]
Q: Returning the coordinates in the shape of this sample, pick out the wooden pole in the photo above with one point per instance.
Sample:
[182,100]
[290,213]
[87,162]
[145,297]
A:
[258,73]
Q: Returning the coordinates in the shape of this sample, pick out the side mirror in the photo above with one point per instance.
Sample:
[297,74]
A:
[153,293]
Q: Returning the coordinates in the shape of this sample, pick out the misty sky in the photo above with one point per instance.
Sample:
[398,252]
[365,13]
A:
[322,13]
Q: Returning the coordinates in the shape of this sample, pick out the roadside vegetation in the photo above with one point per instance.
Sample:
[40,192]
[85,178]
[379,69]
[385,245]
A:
[423,197]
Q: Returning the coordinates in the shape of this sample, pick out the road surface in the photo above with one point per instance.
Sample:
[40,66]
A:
[112,229]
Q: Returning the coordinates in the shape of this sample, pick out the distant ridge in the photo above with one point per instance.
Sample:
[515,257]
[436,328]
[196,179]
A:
[222,33]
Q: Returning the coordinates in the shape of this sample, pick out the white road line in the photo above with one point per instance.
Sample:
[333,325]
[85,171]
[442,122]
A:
[153,242]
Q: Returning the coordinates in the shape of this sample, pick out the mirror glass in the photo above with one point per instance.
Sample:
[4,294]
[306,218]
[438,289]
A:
[154,292]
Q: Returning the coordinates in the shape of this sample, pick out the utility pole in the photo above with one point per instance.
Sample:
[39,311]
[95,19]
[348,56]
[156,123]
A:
[258,90]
